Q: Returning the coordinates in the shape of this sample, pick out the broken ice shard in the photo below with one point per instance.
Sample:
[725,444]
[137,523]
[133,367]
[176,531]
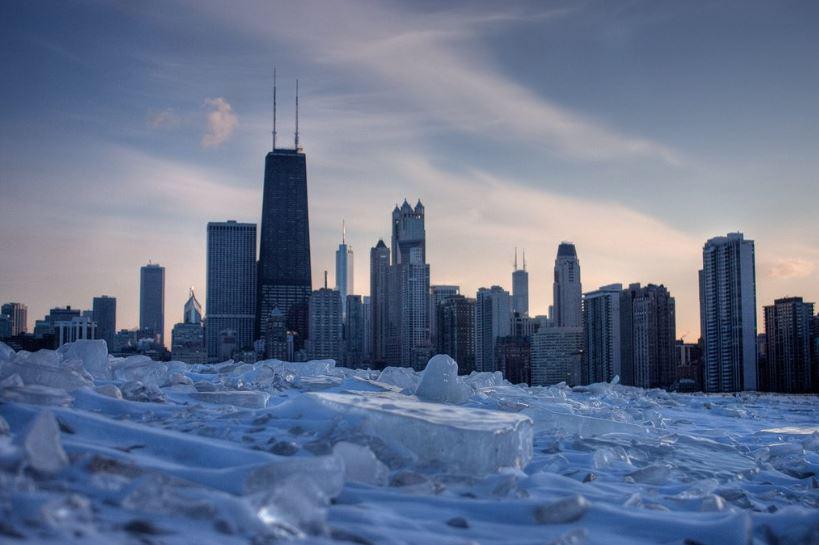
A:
[464,439]
[41,443]
[440,383]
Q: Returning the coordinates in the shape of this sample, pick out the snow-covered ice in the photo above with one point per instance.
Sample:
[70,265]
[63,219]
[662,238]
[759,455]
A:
[103,450]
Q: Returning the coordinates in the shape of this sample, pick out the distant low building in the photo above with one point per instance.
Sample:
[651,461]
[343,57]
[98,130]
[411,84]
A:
[18,317]
[75,329]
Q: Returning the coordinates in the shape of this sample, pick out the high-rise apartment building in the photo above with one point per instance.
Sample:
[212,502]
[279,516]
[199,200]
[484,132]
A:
[437,294]
[104,313]
[493,319]
[230,303]
[354,329]
[567,289]
[728,314]
[648,336]
[152,301]
[601,334]
[788,363]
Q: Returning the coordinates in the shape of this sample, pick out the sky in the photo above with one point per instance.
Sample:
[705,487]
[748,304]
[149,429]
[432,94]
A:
[635,129]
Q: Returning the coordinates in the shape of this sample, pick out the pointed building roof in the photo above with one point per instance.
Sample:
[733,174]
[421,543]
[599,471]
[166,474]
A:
[193,310]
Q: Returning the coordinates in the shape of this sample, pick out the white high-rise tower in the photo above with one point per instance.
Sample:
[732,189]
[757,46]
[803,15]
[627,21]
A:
[344,270]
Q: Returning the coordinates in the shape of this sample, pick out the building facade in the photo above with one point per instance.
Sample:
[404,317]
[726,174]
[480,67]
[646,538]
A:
[567,289]
[152,301]
[788,365]
[513,356]
[493,319]
[437,294]
[557,356]
[354,333]
[728,314]
[74,329]
[601,335]
[230,303]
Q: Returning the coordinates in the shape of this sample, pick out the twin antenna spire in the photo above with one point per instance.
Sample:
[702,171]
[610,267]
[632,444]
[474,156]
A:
[516,259]
[274,111]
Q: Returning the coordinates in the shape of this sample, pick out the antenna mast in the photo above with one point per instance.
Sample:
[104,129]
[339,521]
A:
[343,232]
[516,258]
[524,259]
[297,114]
[274,108]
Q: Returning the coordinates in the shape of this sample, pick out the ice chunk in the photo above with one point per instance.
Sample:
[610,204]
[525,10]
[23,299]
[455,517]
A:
[563,511]
[403,377]
[361,465]
[472,440]
[6,352]
[11,381]
[109,390]
[440,383]
[251,399]
[137,391]
[92,353]
[36,395]
[41,444]
[484,380]
[142,369]
[653,474]
[47,368]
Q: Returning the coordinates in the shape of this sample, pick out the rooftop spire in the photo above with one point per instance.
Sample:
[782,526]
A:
[524,259]
[343,232]
[516,258]
[297,114]
[325,279]
[274,107]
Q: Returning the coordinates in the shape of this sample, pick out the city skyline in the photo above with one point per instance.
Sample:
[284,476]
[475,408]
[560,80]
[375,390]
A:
[184,145]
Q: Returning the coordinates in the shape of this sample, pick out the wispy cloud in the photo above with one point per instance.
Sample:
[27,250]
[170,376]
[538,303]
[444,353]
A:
[167,118]
[221,122]
[792,267]
[436,63]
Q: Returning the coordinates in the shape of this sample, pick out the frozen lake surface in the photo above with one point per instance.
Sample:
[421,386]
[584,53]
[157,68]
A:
[101,450]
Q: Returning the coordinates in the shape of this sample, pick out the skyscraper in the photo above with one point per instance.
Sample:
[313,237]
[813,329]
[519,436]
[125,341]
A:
[456,331]
[788,365]
[105,315]
[557,355]
[601,334]
[408,338]
[567,289]
[284,274]
[18,317]
[520,287]
[324,312]
[728,314]
[493,319]
[152,301]
[344,270]
[379,294]
[648,336]
[187,337]
[231,285]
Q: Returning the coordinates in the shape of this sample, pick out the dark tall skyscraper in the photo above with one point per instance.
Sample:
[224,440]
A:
[152,301]
[284,275]
[648,336]
[379,284]
[787,366]
[230,302]
[568,301]
[105,314]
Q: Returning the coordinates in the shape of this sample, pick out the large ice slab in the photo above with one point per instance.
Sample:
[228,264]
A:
[467,440]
